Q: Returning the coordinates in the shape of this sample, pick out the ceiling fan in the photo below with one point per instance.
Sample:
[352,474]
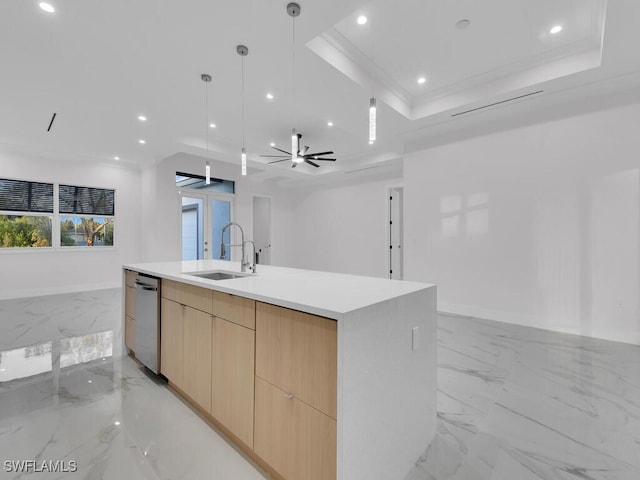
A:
[302,156]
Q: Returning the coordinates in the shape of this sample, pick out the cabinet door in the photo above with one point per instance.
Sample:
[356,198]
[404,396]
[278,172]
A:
[130,301]
[129,332]
[235,309]
[196,366]
[232,378]
[297,352]
[285,425]
[171,340]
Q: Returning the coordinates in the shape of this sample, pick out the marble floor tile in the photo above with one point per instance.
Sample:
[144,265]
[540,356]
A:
[522,403]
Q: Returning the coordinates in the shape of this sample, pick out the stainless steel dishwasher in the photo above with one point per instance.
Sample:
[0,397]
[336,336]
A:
[147,338]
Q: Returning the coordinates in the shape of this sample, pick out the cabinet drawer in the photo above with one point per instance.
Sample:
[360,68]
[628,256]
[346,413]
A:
[130,278]
[298,353]
[285,425]
[235,309]
[195,297]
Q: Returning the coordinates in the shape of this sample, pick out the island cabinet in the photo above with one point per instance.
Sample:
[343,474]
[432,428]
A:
[129,309]
[296,392]
[208,353]
[185,345]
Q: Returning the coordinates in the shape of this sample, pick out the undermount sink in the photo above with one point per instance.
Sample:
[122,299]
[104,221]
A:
[218,275]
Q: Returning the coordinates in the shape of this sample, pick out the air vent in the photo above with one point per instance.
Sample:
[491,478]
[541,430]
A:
[53,117]
[361,169]
[497,103]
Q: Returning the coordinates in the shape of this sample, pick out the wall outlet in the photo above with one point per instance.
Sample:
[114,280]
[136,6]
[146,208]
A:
[415,338]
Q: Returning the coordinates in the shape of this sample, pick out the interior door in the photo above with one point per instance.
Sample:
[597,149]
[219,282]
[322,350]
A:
[396,207]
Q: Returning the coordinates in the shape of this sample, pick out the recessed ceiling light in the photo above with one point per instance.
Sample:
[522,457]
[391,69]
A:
[47,7]
[142,118]
[422,80]
[556,29]
[272,144]
[462,24]
[362,20]
[269,96]
[116,423]
[142,142]
[329,124]
[116,158]
[212,125]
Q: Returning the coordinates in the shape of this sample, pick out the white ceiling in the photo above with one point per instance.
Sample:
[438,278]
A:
[99,65]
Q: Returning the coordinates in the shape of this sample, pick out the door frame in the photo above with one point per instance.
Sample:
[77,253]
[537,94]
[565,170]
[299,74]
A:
[388,190]
[253,236]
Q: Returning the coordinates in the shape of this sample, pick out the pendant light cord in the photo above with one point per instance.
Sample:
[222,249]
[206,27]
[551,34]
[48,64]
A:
[293,69]
[242,57]
[206,101]
[373,64]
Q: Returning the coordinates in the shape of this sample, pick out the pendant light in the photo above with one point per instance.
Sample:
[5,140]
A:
[206,78]
[243,51]
[293,9]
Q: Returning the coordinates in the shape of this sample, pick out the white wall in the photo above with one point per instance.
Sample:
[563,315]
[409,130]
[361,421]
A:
[342,228]
[30,273]
[538,226]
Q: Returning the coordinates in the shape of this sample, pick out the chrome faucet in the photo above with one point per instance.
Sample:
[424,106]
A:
[223,252]
[252,265]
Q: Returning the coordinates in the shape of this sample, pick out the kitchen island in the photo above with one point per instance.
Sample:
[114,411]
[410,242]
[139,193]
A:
[314,375]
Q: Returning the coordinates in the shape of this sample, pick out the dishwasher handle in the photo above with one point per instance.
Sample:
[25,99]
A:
[146,286]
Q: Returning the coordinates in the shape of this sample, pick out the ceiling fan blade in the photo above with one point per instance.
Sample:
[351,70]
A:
[311,163]
[304,151]
[283,151]
[325,159]
[294,164]
[276,161]
[275,156]
[318,154]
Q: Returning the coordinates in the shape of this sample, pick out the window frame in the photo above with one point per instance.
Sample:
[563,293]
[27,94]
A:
[56,219]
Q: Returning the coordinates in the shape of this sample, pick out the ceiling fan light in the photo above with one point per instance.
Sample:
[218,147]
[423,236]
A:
[372,119]
[295,146]
[244,161]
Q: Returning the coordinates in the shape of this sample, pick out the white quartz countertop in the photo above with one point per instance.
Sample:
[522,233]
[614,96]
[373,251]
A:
[321,293]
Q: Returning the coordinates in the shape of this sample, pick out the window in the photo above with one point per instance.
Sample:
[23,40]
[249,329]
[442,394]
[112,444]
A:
[22,205]
[197,182]
[85,216]
[92,219]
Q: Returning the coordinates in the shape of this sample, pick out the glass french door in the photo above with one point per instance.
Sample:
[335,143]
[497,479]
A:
[202,218]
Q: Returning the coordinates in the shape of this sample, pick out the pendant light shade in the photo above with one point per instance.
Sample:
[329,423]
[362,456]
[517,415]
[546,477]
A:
[243,158]
[207,173]
[372,119]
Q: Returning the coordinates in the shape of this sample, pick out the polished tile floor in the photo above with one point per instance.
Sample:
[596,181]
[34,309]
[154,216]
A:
[514,403]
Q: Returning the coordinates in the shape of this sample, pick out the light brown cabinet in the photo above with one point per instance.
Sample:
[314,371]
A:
[298,441]
[267,374]
[296,392]
[196,355]
[129,309]
[232,378]
[298,353]
[171,342]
